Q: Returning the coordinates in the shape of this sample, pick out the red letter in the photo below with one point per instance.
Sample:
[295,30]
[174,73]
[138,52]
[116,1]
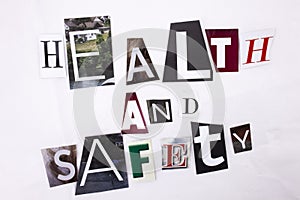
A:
[263,49]
[176,155]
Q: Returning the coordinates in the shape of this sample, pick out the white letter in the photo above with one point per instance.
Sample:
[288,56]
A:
[242,141]
[155,108]
[182,68]
[145,67]
[132,109]
[205,138]
[221,43]
[64,164]
[76,55]
[91,155]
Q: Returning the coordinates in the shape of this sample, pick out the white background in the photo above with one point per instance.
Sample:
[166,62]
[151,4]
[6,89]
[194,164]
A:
[38,113]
